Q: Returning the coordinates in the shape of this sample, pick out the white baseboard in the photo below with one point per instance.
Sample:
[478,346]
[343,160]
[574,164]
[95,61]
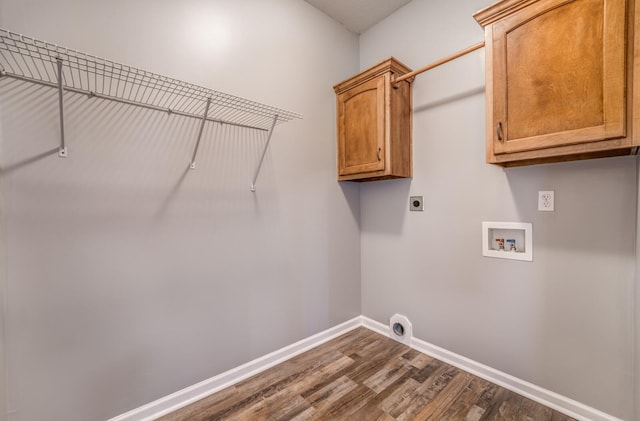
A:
[191,394]
[546,397]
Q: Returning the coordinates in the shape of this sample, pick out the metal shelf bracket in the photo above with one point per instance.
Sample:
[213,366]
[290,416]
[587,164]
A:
[264,152]
[204,119]
[62,151]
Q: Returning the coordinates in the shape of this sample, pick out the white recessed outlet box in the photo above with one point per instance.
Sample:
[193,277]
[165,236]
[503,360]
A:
[546,200]
[507,240]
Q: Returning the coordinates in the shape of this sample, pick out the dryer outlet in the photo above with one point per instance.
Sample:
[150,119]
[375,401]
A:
[401,329]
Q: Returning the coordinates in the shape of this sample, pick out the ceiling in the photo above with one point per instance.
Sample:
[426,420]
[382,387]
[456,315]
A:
[358,15]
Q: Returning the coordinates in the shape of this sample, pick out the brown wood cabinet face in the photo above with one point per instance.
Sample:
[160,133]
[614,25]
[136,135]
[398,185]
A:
[558,72]
[374,118]
[361,131]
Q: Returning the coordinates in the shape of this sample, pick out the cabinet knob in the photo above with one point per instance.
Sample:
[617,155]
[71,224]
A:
[378,154]
[499,131]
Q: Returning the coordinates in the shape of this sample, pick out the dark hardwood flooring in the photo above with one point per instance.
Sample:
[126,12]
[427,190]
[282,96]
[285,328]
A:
[363,375]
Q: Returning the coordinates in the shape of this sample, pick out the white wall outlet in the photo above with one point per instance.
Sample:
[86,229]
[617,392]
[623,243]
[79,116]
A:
[546,200]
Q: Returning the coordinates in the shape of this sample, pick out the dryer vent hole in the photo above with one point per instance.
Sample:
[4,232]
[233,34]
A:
[398,329]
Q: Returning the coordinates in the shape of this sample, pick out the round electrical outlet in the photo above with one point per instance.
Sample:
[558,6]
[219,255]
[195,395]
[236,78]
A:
[416,203]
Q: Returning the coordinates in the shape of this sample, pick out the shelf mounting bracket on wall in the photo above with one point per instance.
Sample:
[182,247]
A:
[62,152]
[204,119]
[264,152]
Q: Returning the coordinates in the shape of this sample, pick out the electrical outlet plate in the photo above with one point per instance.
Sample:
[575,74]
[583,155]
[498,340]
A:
[416,203]
[546,202]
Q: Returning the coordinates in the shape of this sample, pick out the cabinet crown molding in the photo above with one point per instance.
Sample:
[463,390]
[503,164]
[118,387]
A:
[499,10]
[391,64]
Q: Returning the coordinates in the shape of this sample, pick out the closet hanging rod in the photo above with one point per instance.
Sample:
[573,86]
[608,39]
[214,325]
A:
[35,61]
[92,94]
[124,101]
[447,59]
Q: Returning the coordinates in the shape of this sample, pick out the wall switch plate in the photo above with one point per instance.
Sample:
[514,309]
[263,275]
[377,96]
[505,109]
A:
[546,202]
[416,203]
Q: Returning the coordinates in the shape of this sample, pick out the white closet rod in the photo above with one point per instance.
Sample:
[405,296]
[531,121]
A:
[93,94]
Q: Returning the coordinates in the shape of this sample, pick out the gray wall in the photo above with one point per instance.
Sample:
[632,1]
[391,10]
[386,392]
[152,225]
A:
[3,345]
[637,303]
[130,277]
[564,321]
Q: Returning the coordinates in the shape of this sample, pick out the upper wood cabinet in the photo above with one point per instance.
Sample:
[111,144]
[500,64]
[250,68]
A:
[374,124]
[560,80]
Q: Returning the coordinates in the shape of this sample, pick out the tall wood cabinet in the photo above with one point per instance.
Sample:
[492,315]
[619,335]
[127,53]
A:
[562,79]
[374,124]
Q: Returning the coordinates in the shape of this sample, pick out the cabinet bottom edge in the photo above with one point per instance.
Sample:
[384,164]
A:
[562,158]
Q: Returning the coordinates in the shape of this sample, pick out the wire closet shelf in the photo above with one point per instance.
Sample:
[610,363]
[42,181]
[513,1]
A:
[36,61]
[44,63]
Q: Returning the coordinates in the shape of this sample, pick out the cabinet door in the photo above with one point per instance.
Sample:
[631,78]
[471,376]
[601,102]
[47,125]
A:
[558,75]
[361,127]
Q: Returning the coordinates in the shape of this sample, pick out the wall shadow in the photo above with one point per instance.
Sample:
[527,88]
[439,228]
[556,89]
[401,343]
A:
[162,209]
[449,99]
[390,218]
[8,169]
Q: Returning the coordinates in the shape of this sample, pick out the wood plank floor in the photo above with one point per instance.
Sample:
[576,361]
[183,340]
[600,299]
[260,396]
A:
[365,376]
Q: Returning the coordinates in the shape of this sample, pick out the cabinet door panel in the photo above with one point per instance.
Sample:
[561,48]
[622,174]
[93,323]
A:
[559,74]
[361,128]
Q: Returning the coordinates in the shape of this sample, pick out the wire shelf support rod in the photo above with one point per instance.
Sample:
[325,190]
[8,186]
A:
[62,152]
[264,152]
[204,119]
